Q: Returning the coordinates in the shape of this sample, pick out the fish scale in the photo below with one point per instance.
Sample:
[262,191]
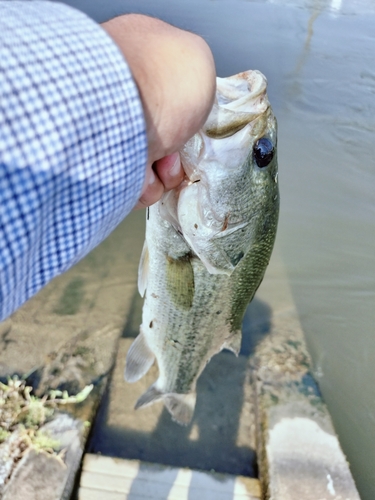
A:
[208,245]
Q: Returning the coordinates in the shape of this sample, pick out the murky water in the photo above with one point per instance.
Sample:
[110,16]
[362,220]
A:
[319,58]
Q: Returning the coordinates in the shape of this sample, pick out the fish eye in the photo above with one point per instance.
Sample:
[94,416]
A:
[263,152]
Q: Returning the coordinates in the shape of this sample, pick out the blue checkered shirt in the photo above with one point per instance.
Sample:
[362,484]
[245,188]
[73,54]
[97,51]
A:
[72,143]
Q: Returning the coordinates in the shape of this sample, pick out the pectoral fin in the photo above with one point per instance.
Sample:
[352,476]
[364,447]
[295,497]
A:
[138,360]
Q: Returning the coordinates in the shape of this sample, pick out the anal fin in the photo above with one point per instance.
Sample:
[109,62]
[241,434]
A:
[139,359]
[233,343]
[150,396]
[181,406]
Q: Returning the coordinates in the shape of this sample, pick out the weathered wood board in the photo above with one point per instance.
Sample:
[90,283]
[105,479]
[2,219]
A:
[118,479]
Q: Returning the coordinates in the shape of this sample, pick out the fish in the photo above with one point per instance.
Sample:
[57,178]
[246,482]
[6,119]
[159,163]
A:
[207,245]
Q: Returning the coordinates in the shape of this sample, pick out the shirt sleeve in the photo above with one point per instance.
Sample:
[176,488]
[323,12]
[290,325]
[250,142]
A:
[73,144]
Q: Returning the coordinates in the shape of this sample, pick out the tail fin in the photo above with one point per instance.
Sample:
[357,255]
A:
[180,406]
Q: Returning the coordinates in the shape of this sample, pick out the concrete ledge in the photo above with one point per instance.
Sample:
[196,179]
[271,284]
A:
[299,454]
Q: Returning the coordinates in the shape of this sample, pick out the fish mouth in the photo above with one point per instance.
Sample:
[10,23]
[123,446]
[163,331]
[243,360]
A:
[240,100]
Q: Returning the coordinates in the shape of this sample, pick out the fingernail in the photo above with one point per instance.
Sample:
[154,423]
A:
[151,178]
[175,169]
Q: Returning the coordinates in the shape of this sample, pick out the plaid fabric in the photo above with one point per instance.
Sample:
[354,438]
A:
[72,143]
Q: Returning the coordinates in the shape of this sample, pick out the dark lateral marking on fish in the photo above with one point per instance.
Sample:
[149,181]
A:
[196,226]
[180,281]
[254,264]
[151,324]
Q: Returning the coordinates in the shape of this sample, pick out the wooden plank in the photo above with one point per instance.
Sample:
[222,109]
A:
[247,486]
[92,494]
[109,465]
[180,488]
[114,477]
[108,482]
[122,484]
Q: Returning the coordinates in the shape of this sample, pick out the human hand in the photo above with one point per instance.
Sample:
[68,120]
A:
[175,74]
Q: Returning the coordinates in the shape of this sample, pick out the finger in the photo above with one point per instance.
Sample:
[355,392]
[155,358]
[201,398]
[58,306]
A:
[170,171]
[153,190]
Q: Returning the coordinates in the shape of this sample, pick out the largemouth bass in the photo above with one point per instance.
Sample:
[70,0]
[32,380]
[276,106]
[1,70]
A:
[207,245]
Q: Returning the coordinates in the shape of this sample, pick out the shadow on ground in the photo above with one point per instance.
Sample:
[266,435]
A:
[221,436]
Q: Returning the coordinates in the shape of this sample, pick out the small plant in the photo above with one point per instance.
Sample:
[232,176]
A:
[24,413]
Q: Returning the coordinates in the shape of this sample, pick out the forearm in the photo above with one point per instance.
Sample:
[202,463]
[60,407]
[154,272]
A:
[72,143]
[74,155]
